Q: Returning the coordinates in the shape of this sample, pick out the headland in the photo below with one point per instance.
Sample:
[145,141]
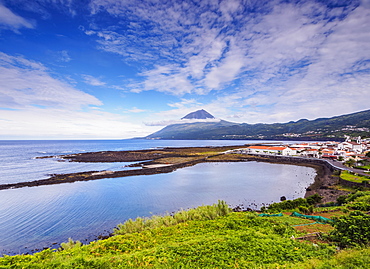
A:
[166,160]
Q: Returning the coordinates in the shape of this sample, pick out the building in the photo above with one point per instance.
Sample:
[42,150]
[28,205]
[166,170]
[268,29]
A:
[285,151]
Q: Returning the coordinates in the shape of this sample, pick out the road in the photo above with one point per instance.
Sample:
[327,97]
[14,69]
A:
[341,166]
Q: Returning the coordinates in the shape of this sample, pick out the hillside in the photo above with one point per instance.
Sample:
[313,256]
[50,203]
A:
[214,237]
[355,124]
[200,114]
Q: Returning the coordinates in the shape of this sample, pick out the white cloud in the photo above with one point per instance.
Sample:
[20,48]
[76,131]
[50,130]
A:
[93,80]
[25,83]
[46,8]
[136,110]
[12,21]
[185,104]
[170,122]
[64,56]
[181,41]
[227,70]
[283,61]
[35,105]
[36,123]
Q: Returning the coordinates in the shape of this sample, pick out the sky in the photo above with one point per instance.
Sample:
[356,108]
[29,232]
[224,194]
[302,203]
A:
[115,69]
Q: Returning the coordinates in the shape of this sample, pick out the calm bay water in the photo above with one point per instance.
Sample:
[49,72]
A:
[37,217]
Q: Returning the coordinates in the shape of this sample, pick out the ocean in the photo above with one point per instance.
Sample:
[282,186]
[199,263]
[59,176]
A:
[37,217]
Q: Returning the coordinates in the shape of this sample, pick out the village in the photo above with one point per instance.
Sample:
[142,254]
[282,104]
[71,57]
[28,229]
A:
[352,150]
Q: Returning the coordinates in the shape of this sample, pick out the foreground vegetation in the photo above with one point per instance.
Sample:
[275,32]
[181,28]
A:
[215,237]
[346,175]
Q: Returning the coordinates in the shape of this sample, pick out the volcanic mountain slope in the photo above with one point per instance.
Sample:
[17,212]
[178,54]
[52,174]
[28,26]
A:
[200,114]
[355,124]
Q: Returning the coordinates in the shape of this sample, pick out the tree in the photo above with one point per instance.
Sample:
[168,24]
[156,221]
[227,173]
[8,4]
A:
[350,162]
[314,199]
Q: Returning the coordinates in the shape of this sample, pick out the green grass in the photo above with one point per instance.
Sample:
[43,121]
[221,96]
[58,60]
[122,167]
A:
[205,237]
[207,212]
[232,241]
[353,258]
[353,178]
[365,167]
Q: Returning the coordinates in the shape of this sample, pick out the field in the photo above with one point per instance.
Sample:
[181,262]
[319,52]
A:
[209,237]
[353,178]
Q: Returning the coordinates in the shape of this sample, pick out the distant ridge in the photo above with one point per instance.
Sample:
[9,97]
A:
[199,115]
[335,128]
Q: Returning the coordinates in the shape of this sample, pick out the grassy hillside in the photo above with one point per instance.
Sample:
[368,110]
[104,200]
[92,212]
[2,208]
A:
[210,237]
[356,124]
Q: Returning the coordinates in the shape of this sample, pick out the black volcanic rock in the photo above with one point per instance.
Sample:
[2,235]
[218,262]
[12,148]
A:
[199,115]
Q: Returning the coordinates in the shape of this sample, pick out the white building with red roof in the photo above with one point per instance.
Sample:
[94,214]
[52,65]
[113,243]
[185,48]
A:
[285,151]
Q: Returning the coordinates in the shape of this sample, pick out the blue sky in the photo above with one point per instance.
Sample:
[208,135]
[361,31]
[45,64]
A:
[111,69]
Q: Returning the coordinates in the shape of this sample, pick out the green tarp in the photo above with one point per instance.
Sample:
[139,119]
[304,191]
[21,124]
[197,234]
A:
[270,215]
[318,219]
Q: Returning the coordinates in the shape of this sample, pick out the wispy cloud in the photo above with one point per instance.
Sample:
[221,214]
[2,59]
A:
[36,105]
[170,122]
[26,83]
[93,80]
[286,61]
[192,51]
[64,56]
[205,47]
[45,8]
[242,60]
[136,110]
[10,20]
[34,123]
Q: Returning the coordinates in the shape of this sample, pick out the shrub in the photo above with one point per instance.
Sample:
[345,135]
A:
[351,230]
[344,199]
[288,205]
[306,210]
[341,199]
[314,199]
[70,244]
[207,212]
[360,203]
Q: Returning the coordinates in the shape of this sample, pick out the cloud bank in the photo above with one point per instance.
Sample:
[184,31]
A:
[283,59]
[155,61]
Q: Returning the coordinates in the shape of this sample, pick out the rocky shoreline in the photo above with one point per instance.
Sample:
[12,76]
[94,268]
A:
[166,160]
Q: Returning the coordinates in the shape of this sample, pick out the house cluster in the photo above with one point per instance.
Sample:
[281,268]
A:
[349,149]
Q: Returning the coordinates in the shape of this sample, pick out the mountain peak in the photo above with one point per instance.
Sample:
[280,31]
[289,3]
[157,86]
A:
[199,114]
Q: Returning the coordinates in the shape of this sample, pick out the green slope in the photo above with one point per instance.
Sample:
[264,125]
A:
[356,124]
[238,240]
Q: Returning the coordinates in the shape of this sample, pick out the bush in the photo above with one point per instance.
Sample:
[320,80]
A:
[342,199]
[288,205]
[360,203]
[207,212]
[351,230]
[70,244]
[314,199]
[306,210]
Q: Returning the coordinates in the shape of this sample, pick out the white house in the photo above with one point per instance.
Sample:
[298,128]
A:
[289,151]
[352,146]
[311,153]
[286,151]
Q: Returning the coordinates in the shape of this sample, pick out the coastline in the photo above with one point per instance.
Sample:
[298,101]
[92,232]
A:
[167,160]
[156,162]
[324,182]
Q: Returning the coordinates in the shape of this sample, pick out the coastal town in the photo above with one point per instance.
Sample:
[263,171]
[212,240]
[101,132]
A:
[356,150]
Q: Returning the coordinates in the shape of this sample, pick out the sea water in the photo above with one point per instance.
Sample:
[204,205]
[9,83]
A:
[35,217]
